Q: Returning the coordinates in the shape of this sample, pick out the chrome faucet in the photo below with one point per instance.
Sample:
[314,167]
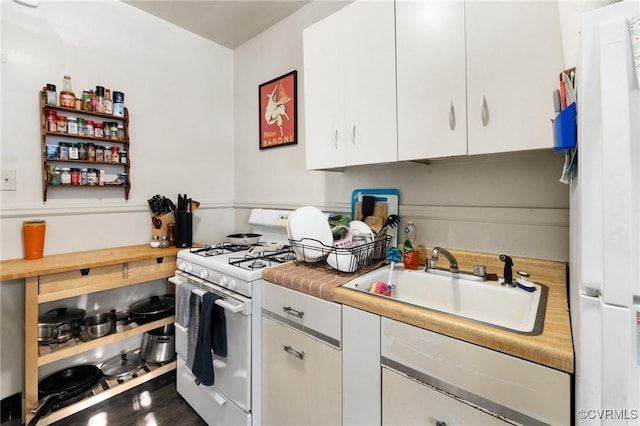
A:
[453,263]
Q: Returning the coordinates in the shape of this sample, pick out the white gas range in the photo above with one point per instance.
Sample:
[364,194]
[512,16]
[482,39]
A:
[232,272]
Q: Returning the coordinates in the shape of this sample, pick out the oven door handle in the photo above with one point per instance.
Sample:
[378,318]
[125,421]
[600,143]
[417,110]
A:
[229,306]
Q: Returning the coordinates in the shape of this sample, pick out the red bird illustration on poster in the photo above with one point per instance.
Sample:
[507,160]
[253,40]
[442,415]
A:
[277,112]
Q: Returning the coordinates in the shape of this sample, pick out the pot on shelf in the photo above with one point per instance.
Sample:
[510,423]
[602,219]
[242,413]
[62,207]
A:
[152,309]
[123,365]
[59,324]
[158,345]
[98,325]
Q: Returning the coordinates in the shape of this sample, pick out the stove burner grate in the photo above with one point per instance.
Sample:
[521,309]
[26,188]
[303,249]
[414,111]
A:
[221,248]
[263,259]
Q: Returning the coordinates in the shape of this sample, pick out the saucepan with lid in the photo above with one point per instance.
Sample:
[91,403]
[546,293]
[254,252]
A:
[59,324]
[152,308]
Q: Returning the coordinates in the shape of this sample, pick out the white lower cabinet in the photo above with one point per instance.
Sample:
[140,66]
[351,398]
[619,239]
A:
[301,372]
[408,402]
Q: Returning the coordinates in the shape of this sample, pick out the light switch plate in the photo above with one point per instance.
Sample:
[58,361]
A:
[8,180]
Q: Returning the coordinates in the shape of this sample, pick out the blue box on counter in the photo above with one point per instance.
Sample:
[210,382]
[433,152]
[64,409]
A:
[564,129]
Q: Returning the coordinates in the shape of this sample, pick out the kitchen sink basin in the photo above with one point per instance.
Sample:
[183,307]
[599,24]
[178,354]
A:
[487,302]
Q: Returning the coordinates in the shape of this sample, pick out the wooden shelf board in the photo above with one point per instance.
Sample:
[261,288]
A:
[47,356]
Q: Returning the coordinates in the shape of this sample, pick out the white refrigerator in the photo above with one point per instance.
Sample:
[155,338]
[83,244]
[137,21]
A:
[605,219]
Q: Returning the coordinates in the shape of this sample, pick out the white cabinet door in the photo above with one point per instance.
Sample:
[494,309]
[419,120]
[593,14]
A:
[514,56]
[406,402]
[432,98]
[349,82]
[370,87]
[301,378]
[324,94]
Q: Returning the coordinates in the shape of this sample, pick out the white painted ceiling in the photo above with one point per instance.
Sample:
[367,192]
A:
[229,23]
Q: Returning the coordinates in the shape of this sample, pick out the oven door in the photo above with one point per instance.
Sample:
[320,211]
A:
[232,374]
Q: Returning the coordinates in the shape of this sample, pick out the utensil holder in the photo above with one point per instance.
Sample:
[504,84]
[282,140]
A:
[184,229]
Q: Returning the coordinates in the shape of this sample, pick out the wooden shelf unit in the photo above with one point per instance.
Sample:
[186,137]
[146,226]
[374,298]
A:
[55,136]
[61,276]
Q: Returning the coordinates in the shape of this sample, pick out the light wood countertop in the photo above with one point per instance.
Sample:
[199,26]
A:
[552,348]
[20,268]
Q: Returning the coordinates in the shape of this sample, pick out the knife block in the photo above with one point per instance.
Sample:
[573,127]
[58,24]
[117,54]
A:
[166,219]
[184,229]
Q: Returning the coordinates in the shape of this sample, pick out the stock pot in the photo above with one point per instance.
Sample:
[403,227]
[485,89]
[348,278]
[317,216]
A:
[98,325]
[159,345]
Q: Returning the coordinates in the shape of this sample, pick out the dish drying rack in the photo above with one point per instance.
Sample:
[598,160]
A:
[348,256]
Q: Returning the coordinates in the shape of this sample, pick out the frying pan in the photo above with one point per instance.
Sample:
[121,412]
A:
[63,385]
[244,239]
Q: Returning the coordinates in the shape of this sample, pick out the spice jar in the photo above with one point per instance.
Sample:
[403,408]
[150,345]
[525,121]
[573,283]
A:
[99,153]
[115,154]
[86,101]
[98,130]
[63,150]
[75,177]
[92,177]
[65,176]
[72,126]
[52,95]
[107,129]
[67,97]
[88,127]
[99,107]
[56,176]
[120,132]
[118,104]
[123,157]
[83,176]
[62,124]
[91,152]
[52,121]
[82,151]
[114,130]
[73,151]
[107,155]
[82,131]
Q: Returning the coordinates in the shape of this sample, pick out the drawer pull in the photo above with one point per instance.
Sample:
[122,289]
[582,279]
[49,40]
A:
[289,349]
[291,311]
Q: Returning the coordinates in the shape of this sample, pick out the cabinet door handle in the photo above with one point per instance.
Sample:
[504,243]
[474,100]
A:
[353,134]
[289,310]
[298,354]
[485,112]
[335,137]
[452,117]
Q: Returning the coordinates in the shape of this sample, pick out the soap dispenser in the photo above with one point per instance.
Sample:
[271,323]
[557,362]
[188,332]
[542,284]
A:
[411,256]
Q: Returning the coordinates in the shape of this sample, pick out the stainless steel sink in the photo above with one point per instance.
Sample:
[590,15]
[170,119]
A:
[487,302]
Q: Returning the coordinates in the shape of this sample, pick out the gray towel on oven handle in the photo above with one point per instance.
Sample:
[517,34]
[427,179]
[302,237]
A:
[212,337]
[183,305]
[194,327]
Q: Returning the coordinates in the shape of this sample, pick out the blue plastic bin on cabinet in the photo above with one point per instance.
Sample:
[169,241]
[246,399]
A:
[564,129]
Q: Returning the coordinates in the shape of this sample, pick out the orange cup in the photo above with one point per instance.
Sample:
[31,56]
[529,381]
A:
[33,238]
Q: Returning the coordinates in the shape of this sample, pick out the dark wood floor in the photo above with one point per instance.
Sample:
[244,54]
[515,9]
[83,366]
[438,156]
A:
[155,403]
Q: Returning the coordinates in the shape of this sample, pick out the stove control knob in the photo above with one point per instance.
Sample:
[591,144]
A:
[182,265]
[223,281]
[188,267]
[232,285]
[204,274]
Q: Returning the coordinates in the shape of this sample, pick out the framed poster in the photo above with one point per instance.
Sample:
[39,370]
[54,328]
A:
[278,105]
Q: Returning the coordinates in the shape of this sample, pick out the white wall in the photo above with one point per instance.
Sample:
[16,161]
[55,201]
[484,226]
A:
[179,91]
[510,203]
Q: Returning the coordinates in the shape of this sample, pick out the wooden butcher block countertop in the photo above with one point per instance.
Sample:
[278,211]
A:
[552,348]
[50,264]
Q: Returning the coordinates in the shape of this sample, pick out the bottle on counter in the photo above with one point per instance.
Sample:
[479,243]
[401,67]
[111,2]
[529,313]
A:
[411,256]
[67,97]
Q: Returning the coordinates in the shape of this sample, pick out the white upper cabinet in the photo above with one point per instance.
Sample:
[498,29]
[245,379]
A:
[432,98]
[475,77]
[349,87]
[514,56]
